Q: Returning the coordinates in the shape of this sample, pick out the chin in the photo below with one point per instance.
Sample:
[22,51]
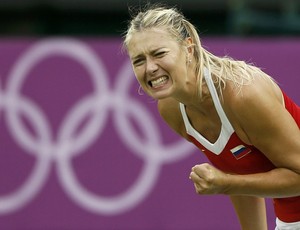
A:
[158,95]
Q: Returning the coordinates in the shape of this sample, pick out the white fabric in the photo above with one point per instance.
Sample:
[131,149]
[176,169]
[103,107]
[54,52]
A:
[226,129]
[280,225]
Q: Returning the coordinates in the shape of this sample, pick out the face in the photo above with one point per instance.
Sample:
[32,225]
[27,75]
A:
[159,62]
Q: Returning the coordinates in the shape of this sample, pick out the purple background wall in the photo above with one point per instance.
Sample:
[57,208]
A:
[81,149]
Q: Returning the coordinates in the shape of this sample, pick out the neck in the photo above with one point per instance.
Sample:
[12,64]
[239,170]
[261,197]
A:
[195,101]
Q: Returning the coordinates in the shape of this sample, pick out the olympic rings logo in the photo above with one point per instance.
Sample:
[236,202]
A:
[67,145]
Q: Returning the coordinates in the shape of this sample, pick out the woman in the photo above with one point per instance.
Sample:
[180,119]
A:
[235,113]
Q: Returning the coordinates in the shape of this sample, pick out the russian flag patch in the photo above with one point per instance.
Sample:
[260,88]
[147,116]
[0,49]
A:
[240,151]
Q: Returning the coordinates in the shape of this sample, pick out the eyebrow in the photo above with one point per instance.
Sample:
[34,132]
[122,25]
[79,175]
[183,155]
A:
[151,52]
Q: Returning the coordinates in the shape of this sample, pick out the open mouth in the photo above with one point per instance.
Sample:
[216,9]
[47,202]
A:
[156,83]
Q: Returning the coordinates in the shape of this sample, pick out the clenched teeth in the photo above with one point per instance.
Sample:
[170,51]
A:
[158,82]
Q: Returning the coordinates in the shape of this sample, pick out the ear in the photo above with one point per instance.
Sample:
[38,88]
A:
[190,46]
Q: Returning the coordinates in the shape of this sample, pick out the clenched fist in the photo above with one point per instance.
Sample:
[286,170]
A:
[208,180]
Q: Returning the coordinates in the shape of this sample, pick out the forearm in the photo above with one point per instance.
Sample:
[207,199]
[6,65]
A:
[276,183]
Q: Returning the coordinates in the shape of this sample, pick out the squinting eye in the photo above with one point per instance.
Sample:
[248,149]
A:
[159,54]
[137,62]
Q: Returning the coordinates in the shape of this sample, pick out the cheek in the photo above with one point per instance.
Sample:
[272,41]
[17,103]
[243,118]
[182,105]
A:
[177,61]
[138,75]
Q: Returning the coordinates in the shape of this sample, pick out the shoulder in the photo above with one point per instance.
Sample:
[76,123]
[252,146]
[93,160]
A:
[258,110]
[252,105]
[262,116]
[258,94]
[169,110]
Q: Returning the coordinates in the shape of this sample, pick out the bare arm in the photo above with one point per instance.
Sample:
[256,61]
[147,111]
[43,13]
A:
[274,132]
[251,212]
[271,129]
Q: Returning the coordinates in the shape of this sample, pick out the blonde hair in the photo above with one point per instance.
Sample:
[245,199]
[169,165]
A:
[222,68]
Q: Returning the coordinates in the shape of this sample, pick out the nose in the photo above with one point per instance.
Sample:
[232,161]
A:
[151,66]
